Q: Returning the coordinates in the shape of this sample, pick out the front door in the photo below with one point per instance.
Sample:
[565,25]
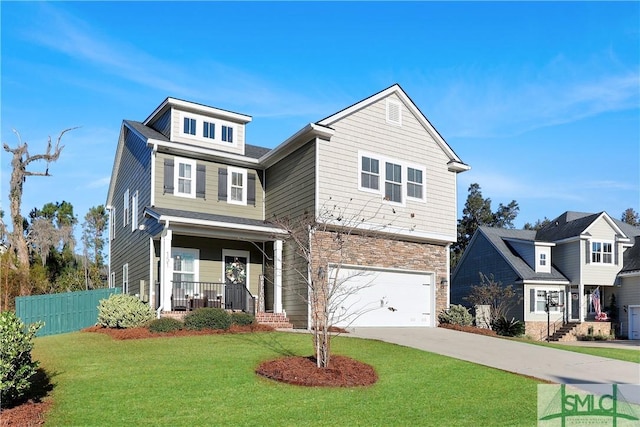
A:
[235,272]
[575,305]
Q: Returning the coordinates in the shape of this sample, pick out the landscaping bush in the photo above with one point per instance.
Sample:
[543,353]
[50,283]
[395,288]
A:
[123,311]
[456,315]
[208,318]
[508,328]
[16,366]
[165,324]
[242,319]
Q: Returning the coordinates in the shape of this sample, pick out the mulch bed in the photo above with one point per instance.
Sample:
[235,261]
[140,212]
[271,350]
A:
[342,371]
[470,329]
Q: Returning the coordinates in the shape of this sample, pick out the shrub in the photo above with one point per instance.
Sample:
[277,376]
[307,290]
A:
[242,319]
[16,366]
[508,328]
[456,315]
[165,324]
[208,318]
[123,311]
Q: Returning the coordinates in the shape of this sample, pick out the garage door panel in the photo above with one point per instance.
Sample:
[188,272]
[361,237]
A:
[384,298]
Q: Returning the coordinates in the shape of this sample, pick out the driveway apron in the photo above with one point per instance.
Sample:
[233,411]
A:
[550,364]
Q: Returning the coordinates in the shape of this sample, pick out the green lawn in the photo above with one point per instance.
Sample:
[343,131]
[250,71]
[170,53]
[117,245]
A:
[209,380]
[627,355]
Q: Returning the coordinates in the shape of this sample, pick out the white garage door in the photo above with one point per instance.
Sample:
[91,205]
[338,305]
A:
[384,298]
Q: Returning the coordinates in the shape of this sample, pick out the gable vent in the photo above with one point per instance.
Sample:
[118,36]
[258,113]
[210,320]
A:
[394,112]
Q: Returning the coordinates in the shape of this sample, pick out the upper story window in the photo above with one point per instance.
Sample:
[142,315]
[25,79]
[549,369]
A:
[189,126]
[134,211]
[370,173]
[601,252]
[414,183]
[112,223]
[401,180]
[125,208]
[185,178]
[209,130]
[393,182]
[237,186]
[227,133]
[543,259]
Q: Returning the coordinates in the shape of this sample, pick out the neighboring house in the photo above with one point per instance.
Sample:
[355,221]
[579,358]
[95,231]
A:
[567,260]
[190,202]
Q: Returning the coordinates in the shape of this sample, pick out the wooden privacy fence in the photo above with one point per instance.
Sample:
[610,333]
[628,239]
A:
[66,312]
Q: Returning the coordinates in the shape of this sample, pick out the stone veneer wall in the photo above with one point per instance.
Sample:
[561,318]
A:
[538,330]
[376,251]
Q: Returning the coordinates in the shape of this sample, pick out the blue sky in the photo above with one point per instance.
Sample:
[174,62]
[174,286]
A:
[541,99]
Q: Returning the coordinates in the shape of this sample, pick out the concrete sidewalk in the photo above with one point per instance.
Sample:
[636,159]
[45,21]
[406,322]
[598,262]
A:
[550,364]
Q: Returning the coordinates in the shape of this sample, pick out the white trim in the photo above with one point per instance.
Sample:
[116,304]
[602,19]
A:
[552,310]
[277,280]
[243,172]
[233,226]
[176,177]
[125,208]
[152,283]
[152,195]
[134,211]
[203,152]
[602,252]
[203,109]
[196,262]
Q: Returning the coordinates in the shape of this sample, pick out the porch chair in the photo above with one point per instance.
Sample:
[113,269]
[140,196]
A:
[179,300]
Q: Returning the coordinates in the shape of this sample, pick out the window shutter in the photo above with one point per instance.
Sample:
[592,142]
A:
[201,178]
[251,189]
[532,300]
[168,176]
[222,184]
[587,251]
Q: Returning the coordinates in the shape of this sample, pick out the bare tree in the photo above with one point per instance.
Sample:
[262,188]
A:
[20,162]
[323,244]
[498,297]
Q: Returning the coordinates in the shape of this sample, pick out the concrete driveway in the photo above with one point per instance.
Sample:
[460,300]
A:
[557,366]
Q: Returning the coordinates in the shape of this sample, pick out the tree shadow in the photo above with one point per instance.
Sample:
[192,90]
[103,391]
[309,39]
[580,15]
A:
[41,386]
[269,340]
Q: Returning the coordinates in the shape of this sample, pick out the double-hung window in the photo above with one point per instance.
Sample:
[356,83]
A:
[555,298]
[189,126]
[370,173]
[185,178]
[414,183]
[237,186]
[134,211]
[227,133]
[209,130]
[393,182]
[125,208]
[601,252]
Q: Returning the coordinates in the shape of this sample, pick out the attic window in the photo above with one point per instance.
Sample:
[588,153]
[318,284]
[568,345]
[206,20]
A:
[394,112]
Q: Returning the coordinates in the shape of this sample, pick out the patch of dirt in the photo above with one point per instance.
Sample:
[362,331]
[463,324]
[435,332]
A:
[298,370]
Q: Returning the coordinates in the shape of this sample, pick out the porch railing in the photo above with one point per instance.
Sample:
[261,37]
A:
[187,296]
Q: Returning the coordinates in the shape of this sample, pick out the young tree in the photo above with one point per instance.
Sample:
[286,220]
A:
[631,217]
[20,162]
[498,297]
[477,212]
[323,244]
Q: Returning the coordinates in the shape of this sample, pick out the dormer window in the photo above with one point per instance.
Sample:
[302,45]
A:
[543,259]
[189,126]
[227,133]
[209,130]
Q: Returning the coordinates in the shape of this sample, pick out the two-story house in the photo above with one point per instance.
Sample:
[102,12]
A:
[572,266]
[193,208]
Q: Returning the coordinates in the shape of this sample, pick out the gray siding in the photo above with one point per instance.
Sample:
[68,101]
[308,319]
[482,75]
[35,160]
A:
[409,144]
[627,294]
[527,251]
[163,123]
[568,257]
[132,247]
[210,203]
[290,184]
[484,259]
[294,286]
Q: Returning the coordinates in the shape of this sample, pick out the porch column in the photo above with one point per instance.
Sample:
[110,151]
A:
[583,303]
[166,269]
[277,276]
